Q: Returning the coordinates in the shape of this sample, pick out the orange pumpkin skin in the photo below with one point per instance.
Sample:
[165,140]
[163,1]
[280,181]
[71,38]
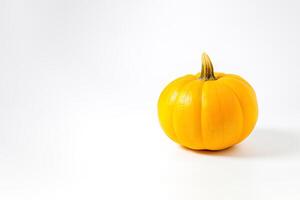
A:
[209,114]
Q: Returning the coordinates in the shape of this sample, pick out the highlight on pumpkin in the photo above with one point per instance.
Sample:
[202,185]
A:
[205,112]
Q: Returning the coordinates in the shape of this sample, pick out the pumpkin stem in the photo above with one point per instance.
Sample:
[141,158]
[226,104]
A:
[207,71]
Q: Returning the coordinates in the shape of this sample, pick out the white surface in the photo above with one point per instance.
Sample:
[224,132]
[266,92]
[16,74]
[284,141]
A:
[79,82]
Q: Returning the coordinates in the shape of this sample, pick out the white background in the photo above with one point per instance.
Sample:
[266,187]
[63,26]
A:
[79,83]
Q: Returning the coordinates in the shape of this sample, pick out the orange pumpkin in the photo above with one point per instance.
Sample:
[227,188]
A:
[208,110]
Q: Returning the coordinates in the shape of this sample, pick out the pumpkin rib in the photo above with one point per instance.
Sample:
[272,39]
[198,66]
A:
[230,109]
[200,106]
[181,86]
[237,77]
[242,110]
[181,93]
[242,81]
[210,114]
[165,98]
[220,109]
[194,110]
[250,116]
[201,116]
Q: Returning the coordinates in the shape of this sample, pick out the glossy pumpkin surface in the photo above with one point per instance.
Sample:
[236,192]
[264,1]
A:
[210,110]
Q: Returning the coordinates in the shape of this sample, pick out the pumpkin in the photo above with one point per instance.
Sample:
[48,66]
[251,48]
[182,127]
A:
[208,111]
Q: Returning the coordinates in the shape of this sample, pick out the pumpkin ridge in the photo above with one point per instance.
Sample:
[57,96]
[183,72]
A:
[195,145]
[220,110]
[196,88]
[238,78]
[242,110]
[175,105]
[201,117]
[200,106]
[166,97]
